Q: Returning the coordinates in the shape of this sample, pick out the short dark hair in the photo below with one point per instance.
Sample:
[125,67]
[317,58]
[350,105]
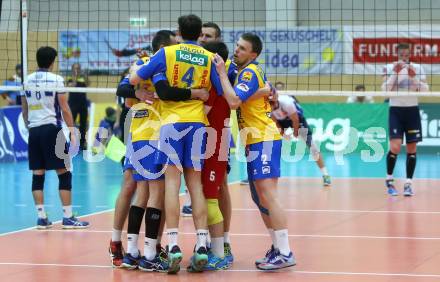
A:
[190,27]
[46,56]
[257,44]
[402,46]
[162,37]
[359,87]
[109,111]
[217,47]
[18,67]
[215,26]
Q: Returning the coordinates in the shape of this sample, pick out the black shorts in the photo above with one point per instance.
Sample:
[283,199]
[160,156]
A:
[405,120]
[42,146]
[305,131]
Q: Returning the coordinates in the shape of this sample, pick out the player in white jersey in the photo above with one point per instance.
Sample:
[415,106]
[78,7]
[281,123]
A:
[43,112]
[290,118]
[404,116]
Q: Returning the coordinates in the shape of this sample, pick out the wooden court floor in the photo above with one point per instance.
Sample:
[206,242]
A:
[352,231]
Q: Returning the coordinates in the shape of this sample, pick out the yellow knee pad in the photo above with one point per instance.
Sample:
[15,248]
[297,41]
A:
[214,214]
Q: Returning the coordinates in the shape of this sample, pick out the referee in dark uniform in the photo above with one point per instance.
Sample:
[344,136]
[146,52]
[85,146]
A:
[78,101]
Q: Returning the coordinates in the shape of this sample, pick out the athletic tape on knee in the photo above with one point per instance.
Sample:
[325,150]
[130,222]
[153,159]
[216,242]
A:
[65,181]
[256,199]
[37,182]
[214,214]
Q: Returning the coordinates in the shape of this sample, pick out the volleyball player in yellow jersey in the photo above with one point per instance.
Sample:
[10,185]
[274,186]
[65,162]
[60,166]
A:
[183,133]
[141,149]
[263,143]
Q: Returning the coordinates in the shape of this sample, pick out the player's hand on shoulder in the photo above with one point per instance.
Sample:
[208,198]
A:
[200,94]
[219,64]
[144,95]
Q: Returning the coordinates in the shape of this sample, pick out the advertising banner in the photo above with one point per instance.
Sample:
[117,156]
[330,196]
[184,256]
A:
[299,51]
[368,49]
[6,150]
[18,133]
[348,128]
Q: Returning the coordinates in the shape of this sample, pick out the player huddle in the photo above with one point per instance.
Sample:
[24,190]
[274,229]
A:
[181,99]
[180,102]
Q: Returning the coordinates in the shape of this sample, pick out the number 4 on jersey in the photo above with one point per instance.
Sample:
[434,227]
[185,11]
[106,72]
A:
[188,77]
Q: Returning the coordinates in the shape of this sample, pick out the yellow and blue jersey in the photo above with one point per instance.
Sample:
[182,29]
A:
[254,114]
[185,65]
[145,122]
[232,70]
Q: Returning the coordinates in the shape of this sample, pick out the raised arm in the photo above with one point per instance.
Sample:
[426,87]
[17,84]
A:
[228,91]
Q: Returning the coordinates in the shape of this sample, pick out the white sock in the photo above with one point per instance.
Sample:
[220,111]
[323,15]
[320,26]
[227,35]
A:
[272,236]
[324,170]
[67,211]
[218,247]
[150,248]
[226,237]
[173,235]
[116,235]
[40,211]
[409,180]
[202,237]
[208,240]
[282,238]
[132,245]
[389,177]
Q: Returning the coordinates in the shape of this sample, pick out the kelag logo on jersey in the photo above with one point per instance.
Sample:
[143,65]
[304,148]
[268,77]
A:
[191,58]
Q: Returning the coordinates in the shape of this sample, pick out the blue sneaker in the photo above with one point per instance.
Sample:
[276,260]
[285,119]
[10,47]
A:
[266,257]
[216,263]
[130,262]
[327,181]
[198,260]
[74,223]
[43,223]
[156,264]
[278,261]
[174,259]
[228,254]
[392,191]
[407,190]
[187,211]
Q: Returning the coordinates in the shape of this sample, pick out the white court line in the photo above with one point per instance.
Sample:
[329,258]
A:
[346,211]
[356,178]
[55,222]
[238,270]
[265,235]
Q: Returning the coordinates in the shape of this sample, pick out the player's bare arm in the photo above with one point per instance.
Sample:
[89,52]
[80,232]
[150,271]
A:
[228,91]
[24,109]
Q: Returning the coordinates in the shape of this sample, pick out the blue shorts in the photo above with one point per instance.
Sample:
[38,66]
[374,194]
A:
[405,121]
[141,160]
[263,160]
[183,145]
